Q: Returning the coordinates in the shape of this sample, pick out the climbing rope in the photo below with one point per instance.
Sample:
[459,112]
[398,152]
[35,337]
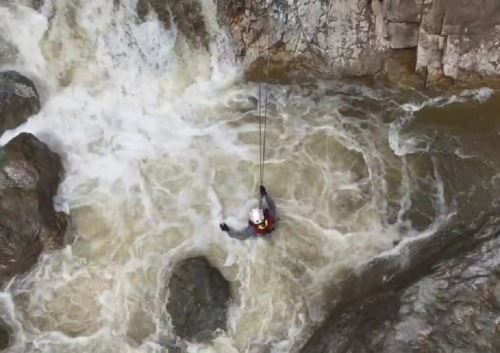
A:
[262,133]
[263,95]
[263,117]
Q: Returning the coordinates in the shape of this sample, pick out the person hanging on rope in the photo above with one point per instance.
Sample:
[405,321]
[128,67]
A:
[261,220]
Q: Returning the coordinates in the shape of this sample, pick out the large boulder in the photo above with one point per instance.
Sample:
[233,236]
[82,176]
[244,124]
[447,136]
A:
[29,177]
[18,100]
[198,299]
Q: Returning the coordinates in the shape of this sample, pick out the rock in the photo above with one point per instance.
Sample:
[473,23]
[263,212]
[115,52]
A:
[399,69]
[403,10]
[186,14]
[160,7]
[419,311]
[402,35]
[5,334]
[37,4]
[18,100]
[198,300]
[457,41]
[29,177]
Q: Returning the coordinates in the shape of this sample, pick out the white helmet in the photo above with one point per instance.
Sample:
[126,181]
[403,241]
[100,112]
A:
[256,216]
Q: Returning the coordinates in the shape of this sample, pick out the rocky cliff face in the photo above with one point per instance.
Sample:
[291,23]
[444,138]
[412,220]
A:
[453,306]
[185,14]
[428,41]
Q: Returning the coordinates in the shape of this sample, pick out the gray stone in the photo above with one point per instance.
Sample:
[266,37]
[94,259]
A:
[470,55]
[186,14]
[403,10]
[433,16]
[470,17]
[451,307]
[352,38]
[18,100]
[402,35]
[29,177]
[198,300]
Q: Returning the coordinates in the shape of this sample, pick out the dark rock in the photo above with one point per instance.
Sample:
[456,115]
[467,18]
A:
[198,300]
[403,10]
[402,35]
[160,7]
[189,18]
[399,68]
[29,177]
[456,40]
[419,311]
[37,4]
[18,100]
[5,334]
[187,15]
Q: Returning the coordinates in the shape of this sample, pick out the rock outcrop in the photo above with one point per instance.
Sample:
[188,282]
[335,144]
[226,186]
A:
[29,177]
[453,305]
[198,300]
[5,335]
[18,100]
[443,40]
[187,15]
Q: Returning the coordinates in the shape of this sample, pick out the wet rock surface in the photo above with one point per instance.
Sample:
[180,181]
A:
[159,7]
[18,100]
[456,41]
[453,306]
[29,177]
[5,334]
[187,15]
[198,299]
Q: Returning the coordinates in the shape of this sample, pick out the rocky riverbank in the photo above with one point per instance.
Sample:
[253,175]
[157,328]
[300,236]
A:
[30,174]
[451,305]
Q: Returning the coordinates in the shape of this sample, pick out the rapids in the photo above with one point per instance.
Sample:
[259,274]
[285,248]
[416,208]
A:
[160,143]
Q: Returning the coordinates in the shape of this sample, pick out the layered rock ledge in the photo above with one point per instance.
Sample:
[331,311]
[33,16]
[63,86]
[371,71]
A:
[415,42]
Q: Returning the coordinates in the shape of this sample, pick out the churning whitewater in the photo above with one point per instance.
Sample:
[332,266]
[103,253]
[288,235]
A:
[159,141]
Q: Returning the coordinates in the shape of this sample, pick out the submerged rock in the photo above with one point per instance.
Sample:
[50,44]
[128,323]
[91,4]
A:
[29,177]
[18,100]
[198,299]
